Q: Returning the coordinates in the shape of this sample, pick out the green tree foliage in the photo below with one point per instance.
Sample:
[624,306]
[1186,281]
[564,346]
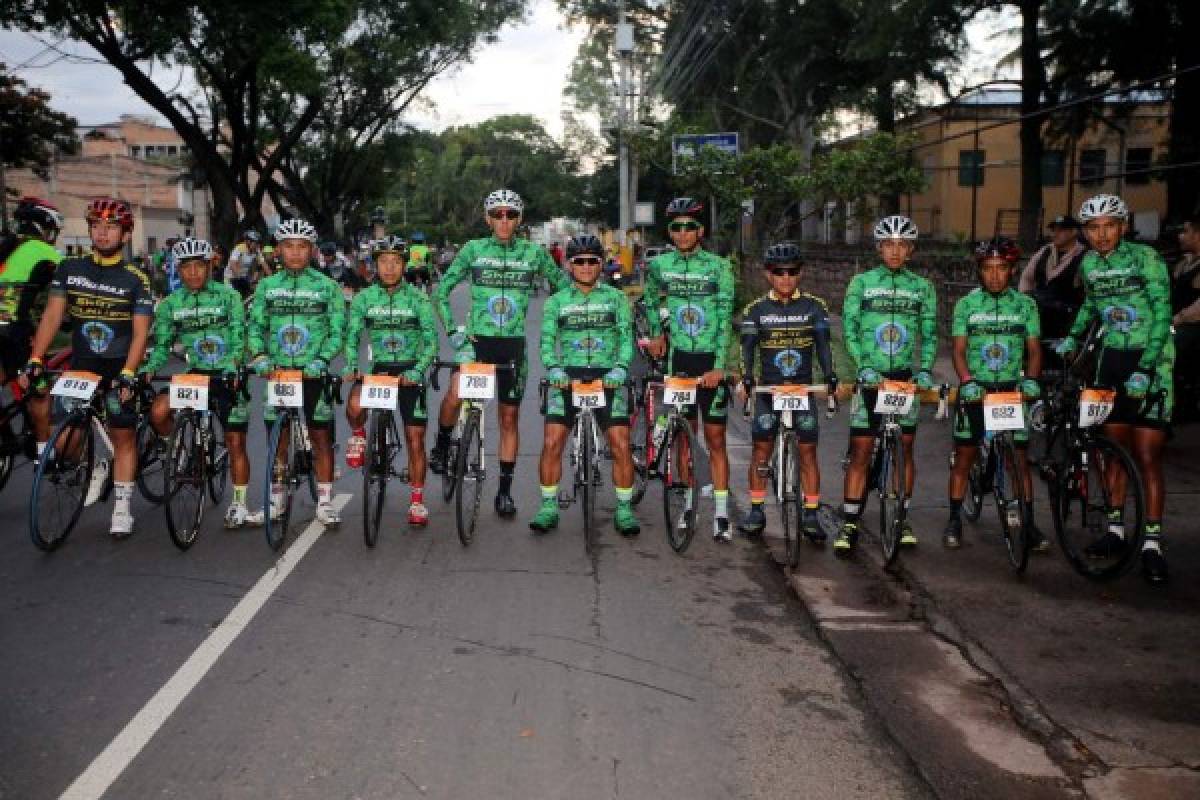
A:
[30,131]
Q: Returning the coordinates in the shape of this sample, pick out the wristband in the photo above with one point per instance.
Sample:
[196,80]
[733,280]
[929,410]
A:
[33,360]
[129,373]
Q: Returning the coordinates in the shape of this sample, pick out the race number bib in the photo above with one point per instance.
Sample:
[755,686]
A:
[895,397]
[285,388]
[679,391]
[477,381]
[587,394]
[1095,405]
[380,391]
[189,391]
[1003,411]
[76,385]
[790,398]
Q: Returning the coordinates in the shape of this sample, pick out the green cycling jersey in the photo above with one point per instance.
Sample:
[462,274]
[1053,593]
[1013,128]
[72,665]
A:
[23,276]
[996,327]
[209,324]
[296,319]
[400,329]
[503,277]
[587,329]
[1129,290]
[884,314]
[697,291]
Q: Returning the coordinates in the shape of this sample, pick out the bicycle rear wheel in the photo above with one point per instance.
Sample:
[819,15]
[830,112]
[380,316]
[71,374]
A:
[61,482]
[469,478]
[1011,503]
[218,462]
[152,462]
[973,500]
[679,493]
[185,484]
[281,467]
[891,496]
[638,431]
[789,491]
[450,472]
[377,465]
[585,473]
[1094,480]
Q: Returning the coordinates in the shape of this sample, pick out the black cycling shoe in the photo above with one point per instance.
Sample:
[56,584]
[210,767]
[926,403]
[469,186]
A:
[754,523]
[505,506]
[1154,567]
[437,460]
[952,534]
[810,524]
[1109,545]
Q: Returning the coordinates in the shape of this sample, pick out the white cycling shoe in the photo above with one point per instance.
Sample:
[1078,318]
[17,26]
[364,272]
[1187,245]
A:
[96,485]
[238,516]
[122,524]
[327,514]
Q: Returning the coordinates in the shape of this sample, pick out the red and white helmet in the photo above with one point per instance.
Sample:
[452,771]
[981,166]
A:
[110,209]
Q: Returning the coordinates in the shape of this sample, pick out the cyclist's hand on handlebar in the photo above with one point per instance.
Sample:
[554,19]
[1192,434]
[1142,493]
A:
[615,378]
[125,383]
[260,365]
[31,373]
[869,378]
[712,378]
[411,377]
[970,392]
[1031,389]
[1137,384]
[657,347]
[558,378]
[1066,348]
[315,368]
[459,337]
[924,380]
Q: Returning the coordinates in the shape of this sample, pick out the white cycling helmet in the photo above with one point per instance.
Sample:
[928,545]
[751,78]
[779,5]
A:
[895,227]
[504,198]
[1103,205]
[296,229]
[188,248]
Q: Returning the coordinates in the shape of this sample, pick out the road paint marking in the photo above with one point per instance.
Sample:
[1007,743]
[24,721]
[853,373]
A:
[886,627]
[108,766]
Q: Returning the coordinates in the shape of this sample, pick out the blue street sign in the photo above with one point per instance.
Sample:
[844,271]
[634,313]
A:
[687,145]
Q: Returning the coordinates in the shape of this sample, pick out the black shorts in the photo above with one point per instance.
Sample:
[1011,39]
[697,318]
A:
[15,347]
[318,413]
[510,387]
[561,410]
[1151,411]
[412,405]
[968,428]
[766,421]
[120,415]
[863,419]
[714,403]
[232,409]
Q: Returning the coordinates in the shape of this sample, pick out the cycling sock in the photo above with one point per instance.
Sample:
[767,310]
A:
[688,497]
[758,497]
[1153,536]
[417,494]
[624,496]
[550,495]
[506,476]
[360,432]
[122,494]
[812,501]
[324,492]
[852,510]
[721,499]
[955,508]
[443,436]
[239,495]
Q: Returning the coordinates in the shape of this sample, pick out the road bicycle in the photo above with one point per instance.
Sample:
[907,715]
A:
[289,447]
[380,397]
[465,472]
[783,471]
[673,445]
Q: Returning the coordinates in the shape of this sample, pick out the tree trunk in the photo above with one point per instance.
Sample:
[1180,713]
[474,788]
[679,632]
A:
[1033,85]
[1183,185]
[884,111]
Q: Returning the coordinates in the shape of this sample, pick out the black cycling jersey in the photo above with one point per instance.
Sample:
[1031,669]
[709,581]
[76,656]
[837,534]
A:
[785,334]
[102,299]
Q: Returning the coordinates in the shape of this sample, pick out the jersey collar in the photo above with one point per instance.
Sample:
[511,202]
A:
[111,261]
[796,295]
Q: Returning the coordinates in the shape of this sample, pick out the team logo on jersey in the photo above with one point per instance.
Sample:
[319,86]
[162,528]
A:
[995,355]
[891,337]
[209,349]
[502,310]
[99,336]
[788,362]
[1120,318]
[292,339]
[393,342]
[691,319]
[588,344]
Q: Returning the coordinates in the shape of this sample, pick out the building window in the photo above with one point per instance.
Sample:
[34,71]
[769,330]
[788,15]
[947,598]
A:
[1137,159]
[1092,166]
[1054,168]
[172,150]
[135,150]
[970,167]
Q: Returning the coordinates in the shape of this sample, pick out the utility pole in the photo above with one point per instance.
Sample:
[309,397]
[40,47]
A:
[624,47]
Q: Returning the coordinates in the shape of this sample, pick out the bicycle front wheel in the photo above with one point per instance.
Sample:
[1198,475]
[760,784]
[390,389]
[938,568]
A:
[586,473]
[973,500]
[218,462]
[638,432]
[1098,488]
[450,471]
[185,483]
[891,496]
[679,485]
[1011,504]
[377,464]
[152,462]
[790,502]
[469,479]
[60,484]
[281,468]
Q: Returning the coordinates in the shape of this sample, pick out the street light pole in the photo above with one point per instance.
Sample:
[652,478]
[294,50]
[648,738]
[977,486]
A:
[624,48]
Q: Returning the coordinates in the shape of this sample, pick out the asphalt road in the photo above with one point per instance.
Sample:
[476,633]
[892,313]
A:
[517,667]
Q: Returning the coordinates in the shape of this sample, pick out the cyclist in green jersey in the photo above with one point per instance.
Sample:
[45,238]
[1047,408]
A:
[503,271]
[995,333]
[25,274]
[1128,290]
[695,289]
[401,342]
[886,312]
[297,322]
[207,320]
[587,335]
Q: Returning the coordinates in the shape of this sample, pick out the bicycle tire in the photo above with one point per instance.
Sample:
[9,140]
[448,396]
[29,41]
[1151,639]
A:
[972,505]
[6,465]
[276,530]
[376,468]
[61,479]
[183,501]
[585,472]
[675,491]
[152,462]
[891,496]
[638,433]
[790,504]
[218,462]
[470,474]
[1080,519]
[450,471]
[1011,504]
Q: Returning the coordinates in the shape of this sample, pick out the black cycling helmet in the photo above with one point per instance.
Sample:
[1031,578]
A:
[684,207]
[782,253]
[997,247]
[37,217]
[329,248]
[585,244]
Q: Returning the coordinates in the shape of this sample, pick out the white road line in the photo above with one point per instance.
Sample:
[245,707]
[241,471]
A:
[108,766]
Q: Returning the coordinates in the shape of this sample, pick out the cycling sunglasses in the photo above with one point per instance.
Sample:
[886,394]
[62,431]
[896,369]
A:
[587,261]
[504,213]
[690,225]
[790,272]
